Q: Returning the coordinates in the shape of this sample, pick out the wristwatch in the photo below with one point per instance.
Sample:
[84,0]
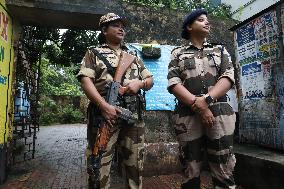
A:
[208,99]
[144,83]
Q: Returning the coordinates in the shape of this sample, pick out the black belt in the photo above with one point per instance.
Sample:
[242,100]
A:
[222,99]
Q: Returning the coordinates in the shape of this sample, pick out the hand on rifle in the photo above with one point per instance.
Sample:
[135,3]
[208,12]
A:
[109,112]
[133,87]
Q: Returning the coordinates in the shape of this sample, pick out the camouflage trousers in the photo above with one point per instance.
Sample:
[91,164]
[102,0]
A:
[197,141]
[130,142]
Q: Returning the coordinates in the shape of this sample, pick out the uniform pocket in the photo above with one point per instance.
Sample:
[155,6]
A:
[189,64]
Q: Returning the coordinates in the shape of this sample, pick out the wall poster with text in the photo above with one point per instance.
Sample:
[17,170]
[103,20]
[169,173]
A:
[257,49]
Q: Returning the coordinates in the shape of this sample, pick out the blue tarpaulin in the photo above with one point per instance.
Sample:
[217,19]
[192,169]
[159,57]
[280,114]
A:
[158,98]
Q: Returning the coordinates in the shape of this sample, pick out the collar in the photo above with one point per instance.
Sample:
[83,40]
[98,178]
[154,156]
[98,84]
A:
[122,46]
[205,44]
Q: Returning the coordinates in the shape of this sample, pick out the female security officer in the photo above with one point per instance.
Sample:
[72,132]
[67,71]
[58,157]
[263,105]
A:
[95,77]
[200,74]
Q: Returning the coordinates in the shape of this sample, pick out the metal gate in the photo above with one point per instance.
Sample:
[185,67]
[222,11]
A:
[26,114]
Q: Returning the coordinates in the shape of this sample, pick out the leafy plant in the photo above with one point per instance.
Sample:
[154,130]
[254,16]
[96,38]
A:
[48,111]
[222,10]
[53,113]
[59,80]
[69,114]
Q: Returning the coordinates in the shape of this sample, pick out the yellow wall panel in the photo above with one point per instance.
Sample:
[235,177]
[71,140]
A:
[6,70]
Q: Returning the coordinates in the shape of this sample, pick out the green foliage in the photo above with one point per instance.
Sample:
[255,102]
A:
[34,39]
[222,10]
[74,43]
[48,111]
[58,59]
[66,50]
[71,47]
[59,80]
[53,113]
[69,114]
[150,52]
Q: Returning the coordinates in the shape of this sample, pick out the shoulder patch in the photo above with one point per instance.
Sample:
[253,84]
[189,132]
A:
[213,43]
[177,48]
[92,47]
[132,52]
[217,45]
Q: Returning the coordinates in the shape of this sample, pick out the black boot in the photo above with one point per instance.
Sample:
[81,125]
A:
[192,184]
[93,169]
[93,184]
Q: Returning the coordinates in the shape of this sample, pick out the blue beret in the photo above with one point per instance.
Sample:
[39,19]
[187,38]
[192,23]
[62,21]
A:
[189,19]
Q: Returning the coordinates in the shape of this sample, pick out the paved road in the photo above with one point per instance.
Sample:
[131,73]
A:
[59,160]
[60,164]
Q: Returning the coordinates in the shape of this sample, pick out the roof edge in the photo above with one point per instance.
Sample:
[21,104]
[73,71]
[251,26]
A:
[255,16]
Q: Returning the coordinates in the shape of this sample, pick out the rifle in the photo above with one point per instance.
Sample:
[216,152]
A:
[115,89]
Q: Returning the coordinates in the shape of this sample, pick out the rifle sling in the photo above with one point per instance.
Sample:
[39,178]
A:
[110,69]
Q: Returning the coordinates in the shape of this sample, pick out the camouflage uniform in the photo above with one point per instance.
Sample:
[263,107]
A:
[198,70]
[129,137]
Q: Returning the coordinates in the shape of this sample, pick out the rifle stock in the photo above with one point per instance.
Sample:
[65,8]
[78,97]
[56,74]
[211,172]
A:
[102,138]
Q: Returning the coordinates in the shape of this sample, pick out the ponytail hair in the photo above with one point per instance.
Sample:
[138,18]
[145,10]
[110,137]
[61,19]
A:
[101,38]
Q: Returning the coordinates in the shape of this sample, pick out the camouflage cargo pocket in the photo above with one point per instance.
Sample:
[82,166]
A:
[189,63]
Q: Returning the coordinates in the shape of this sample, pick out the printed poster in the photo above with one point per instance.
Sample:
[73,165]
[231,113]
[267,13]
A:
[257,50]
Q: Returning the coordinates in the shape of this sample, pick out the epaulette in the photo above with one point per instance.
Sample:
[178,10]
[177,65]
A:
[132,52]
[178,47]
[215,44]
[91,47]
[98,48]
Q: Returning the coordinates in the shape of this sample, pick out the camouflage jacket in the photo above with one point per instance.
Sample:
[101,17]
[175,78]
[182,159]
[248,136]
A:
[199,69]
[94,68]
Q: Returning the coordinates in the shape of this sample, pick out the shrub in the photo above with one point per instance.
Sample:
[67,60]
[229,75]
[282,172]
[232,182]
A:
[54,113]
[69,114]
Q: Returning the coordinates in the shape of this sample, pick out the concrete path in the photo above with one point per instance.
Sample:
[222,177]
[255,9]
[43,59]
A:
[60,164]
[59,160]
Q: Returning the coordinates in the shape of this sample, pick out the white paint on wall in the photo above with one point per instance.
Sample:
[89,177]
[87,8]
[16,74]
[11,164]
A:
[244,9]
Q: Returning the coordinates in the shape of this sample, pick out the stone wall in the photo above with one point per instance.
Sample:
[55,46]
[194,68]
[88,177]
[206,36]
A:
[164,25]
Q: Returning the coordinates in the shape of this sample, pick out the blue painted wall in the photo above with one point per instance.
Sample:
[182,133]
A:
[158,98]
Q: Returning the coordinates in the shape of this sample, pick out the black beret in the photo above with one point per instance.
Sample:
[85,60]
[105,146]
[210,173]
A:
[189,19]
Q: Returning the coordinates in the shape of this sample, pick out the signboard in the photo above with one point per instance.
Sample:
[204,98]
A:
[158,98]
[257,50]
[6,66]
